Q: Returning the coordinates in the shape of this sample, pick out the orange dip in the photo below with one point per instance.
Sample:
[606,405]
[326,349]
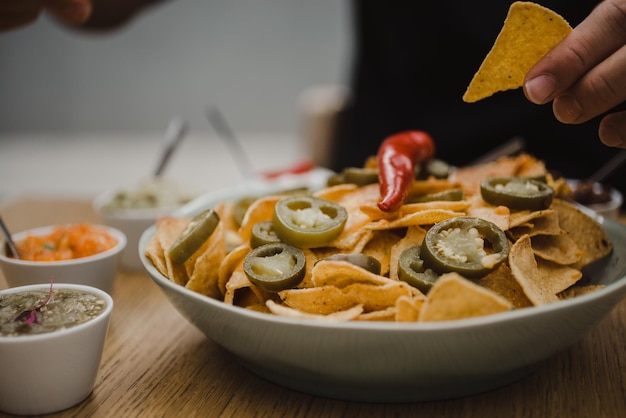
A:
[65,243]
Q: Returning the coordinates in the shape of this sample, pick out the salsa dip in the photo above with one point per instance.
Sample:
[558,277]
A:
[42,311]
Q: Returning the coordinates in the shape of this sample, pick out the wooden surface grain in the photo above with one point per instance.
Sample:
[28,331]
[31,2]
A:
[155,364]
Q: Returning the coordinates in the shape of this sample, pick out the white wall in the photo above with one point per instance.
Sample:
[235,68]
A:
[250,57]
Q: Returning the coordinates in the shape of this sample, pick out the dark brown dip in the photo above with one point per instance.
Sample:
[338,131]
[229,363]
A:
[590,193]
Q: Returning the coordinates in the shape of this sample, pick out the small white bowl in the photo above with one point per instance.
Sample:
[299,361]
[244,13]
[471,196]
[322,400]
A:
[98,270]
[132,222]
[45,373]
[610,209]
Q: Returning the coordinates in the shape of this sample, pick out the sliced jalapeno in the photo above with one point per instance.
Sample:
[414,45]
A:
[263,233]
[241,206]
[193,236]
[275,267]
[360,176]
[517,193]
[365,261]
[411,269]
[452,195]
[469,246]
[308,221]
[434,167]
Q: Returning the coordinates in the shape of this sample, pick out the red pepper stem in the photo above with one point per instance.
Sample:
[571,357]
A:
[397,157]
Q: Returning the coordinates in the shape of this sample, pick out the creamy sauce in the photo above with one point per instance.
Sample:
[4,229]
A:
[65,309]
[150,194]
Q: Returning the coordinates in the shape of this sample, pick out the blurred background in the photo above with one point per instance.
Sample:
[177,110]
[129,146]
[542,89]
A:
[251,57]
[62,90]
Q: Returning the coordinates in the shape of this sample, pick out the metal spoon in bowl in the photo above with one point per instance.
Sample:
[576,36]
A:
[176,130]
[9,240]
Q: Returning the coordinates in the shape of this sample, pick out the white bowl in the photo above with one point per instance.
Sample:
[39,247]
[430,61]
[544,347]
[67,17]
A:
[132,222]
[98,270]
[49,372]
[398,362]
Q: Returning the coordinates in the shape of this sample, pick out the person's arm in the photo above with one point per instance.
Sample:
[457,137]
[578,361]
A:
[585,74]
[80,14]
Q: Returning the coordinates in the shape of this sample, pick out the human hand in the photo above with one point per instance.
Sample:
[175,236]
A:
[585,74]
[18,13]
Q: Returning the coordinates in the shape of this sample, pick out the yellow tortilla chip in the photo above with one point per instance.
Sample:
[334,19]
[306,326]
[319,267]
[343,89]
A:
[282,310]
[588,234]
[454,297]
[408,309]
[526,271]
[205,276]
[529,32]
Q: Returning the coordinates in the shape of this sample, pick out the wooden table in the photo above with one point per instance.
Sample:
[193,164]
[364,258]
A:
[155,364]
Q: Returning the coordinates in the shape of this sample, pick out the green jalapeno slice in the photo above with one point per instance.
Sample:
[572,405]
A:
[517,193]
[308,221]
[411,269]
[364,261]
[470,246]
[452,195]
[240,208]
[193,236]
[263,233]
[434,167]
[360,176]
[275,267]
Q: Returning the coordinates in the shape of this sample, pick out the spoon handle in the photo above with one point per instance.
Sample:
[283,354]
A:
[609,167]
[224,132]
[9,239]
[175,132]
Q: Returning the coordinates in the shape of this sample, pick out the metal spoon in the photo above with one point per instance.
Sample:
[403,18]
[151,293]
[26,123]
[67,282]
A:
[9,240]
[609,167]
[176,130]
[223,130]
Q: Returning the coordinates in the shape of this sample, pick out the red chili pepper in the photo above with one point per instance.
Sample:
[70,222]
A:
[396,158]
[298,168]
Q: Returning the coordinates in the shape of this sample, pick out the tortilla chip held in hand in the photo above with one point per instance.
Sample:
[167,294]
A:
[529,32]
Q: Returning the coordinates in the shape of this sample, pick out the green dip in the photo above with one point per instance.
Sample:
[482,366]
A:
[65,309]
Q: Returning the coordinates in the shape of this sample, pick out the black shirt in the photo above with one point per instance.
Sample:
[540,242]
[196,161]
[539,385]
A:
[413,60]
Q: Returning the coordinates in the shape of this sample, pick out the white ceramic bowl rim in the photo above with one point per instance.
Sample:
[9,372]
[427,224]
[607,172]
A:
[442,326]
[119,235]
[65,331]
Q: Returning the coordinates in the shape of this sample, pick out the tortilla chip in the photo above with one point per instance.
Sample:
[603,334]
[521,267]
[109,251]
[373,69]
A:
[155,253]
[588,234]
[343,273]
[281,310]
[526,271]
[454,297]
[576,291]
[408,309]
[529,32]
[503,283]
[205,276]
[388,314]
[557,278]
[170,229]
[560,249]
[378,247]
[425,217]
[322,300]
